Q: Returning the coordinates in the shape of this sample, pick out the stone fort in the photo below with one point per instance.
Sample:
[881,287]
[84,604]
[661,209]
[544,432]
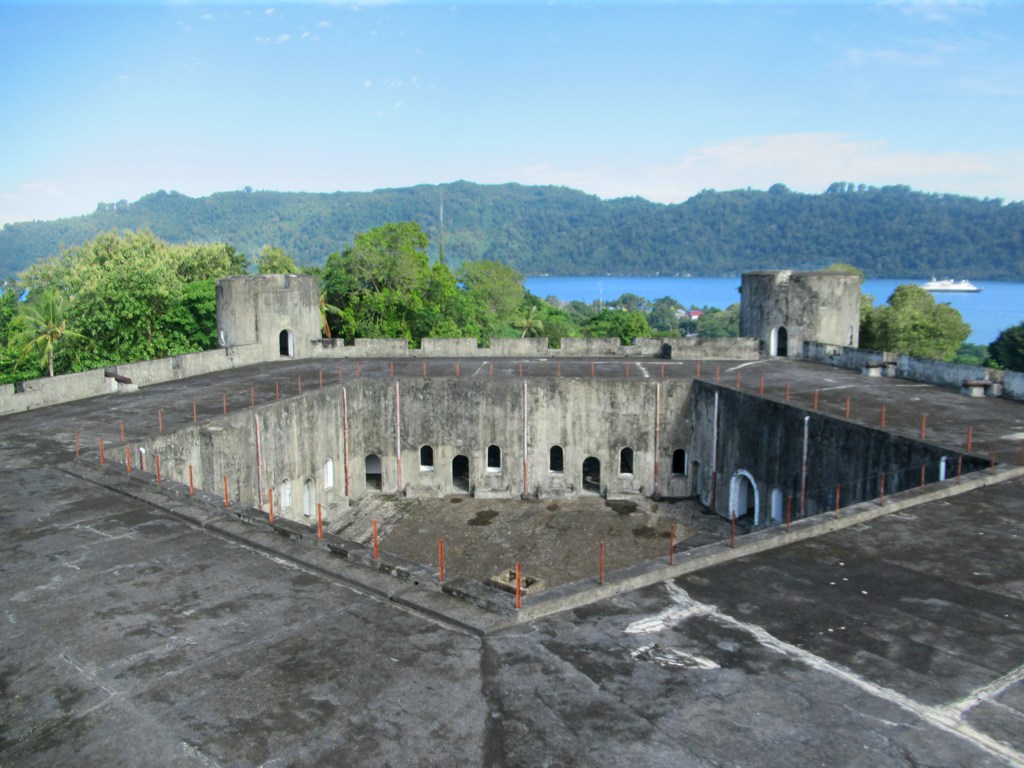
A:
[602,418]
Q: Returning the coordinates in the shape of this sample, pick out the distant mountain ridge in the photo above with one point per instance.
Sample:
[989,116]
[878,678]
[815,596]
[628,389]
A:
[886,231]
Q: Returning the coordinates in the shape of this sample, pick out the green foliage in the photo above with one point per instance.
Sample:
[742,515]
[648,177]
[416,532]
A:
[662,316]
[719,323]
[132,296]
[9,293]
[971,354]
[39,330]
[1007,351]
[496,292]
[274,261]
[912,323]
[894,231]
[611,322]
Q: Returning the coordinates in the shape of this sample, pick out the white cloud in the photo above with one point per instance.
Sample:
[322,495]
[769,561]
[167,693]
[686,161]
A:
[941,11]
[207,17]
[805,162]
[324,25]
[269,12]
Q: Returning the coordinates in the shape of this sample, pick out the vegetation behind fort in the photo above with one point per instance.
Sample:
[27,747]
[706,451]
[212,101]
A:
[884,231]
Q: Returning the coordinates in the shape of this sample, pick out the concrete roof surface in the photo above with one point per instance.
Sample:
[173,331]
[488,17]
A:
[134,637]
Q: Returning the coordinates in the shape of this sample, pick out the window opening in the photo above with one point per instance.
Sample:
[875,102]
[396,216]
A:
[286,494]
[426,458]
[374,473]
[286,343]
[556,462]
[626,461]
[329,474]
[493,458]
[679,462]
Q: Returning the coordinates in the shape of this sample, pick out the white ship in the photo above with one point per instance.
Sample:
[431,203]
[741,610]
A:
[951,286]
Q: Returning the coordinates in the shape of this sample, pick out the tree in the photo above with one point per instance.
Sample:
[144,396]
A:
[532,322]
[274,261]
[912,323]
[719,323]
[40,327]
[612,322]
[132,296]
[1007,351]
[496,292]
[663,318]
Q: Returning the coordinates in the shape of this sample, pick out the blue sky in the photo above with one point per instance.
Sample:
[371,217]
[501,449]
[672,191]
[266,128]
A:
[103,102]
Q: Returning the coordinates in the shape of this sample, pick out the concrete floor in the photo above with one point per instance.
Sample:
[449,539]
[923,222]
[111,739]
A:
[136,636]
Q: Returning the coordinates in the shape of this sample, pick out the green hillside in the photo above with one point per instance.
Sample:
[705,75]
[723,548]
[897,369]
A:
[886,231]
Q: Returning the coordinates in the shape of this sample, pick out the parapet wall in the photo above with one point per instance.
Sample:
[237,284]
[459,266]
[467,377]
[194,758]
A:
[432,437]
[916,368]
[766,441]
[37,393]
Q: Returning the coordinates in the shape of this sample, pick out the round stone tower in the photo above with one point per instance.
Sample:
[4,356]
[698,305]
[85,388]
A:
[280,314]
[783,309]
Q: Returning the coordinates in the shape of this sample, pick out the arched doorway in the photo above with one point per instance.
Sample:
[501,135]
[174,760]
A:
[287,343]
[780,342]
[374,473]
[591,475]
[460,474]
[743,498]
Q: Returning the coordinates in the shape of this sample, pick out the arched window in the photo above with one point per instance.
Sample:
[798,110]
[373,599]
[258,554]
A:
[426,458]
[307,498]
[286,494]
[556,463]
[287,344]
[493,458]
[328,474]
[626,461]
[679,462]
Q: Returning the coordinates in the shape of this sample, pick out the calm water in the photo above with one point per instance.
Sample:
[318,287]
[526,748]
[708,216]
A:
[998,306]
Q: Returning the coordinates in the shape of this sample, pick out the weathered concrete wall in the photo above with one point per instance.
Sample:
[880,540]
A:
[784,309]
[464,347]
[36,393]
[694,348]
[534,347]
[593,347]
[371,432]
[841,356]
[765,439]
[258,309]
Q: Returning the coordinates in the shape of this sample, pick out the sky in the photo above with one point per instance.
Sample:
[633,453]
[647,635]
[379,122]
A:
[111,101]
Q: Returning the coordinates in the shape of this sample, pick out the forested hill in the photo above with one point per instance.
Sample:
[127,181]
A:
[886,231]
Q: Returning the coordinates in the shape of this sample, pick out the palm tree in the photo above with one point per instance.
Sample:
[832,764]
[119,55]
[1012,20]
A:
[532,324]
[40,327]
[326,309]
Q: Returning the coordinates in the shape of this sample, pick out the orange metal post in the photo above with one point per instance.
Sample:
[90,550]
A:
[270,497]
[440,559]
[225,491]
[128,459]
[319,522]
[191,482]
[158,469]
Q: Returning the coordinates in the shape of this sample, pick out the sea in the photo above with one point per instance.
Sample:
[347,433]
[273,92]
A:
[998,306]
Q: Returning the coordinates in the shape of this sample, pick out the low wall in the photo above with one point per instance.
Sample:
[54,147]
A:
[920,369]
[696,348]
[37,393]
